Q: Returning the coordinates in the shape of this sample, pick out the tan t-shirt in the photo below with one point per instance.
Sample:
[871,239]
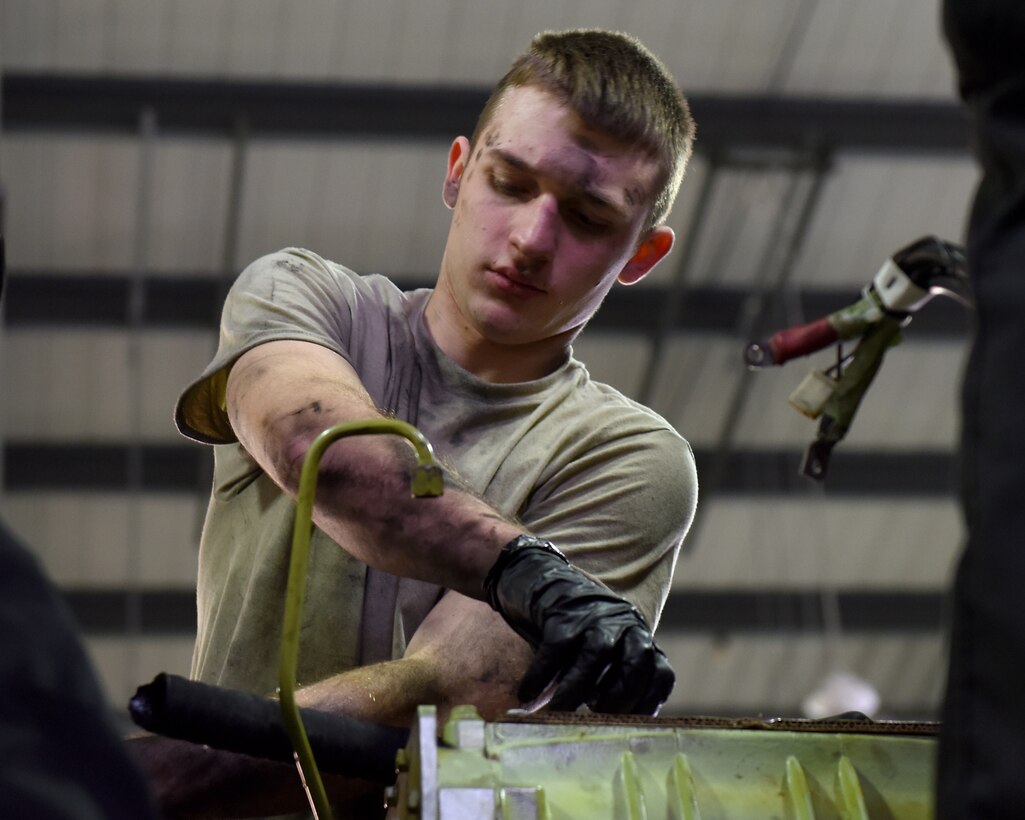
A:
[607,480]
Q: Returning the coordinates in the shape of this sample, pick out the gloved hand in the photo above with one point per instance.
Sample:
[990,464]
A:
[593,641]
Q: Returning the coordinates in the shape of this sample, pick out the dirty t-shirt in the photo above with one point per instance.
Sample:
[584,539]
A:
[607,480]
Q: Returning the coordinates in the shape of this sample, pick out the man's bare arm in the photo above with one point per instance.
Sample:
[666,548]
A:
[282,394]
[463,652]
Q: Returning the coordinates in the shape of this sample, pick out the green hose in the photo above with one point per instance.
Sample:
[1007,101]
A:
[427,480]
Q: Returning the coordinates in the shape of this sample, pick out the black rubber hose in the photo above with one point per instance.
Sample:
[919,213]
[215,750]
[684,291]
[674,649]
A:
[251,724]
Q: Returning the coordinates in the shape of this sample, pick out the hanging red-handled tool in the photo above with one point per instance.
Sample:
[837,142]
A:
[903,285]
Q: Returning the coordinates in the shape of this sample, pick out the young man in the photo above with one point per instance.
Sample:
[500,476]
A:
[561,193]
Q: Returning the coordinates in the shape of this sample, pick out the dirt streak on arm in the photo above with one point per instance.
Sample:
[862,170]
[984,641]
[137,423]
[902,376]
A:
[281,395]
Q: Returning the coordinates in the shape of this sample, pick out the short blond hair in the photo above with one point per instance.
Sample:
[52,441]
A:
[616,85]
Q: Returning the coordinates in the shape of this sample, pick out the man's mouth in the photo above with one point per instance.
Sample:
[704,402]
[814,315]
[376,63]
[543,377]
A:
[509,282]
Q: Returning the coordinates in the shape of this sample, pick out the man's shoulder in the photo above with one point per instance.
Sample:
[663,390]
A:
[300,279]
[310,266]
[595,399]
[596,415]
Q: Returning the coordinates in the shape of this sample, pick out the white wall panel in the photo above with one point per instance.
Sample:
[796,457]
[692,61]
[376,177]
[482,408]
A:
[25,30]
[137,36]
[872,48]
[694,383]
[791,543]
[189,207]
[680,220]
[71,203]
[747,226]
[365,40]
[81,34]
[869,48]
[195,36]
[874,205]
[870,206]
[777,673]
[125,664]
[74,385]
[374,209]
[616,359]
[110,540]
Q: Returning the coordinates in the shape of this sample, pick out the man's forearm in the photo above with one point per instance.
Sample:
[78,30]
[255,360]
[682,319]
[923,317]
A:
[364,498]
[283,394]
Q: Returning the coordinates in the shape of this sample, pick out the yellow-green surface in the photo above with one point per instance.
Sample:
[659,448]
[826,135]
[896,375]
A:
[578,770]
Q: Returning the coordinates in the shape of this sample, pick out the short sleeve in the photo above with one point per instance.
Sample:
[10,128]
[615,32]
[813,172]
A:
[292,294]
[621,510]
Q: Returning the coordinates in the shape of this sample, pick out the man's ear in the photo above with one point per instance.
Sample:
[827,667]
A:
[649,253]
[458,156]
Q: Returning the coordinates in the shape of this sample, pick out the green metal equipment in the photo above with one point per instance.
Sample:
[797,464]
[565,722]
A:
[567,766]
[427,481]
[552,767]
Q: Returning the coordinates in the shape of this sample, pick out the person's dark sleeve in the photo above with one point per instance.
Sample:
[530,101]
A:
[983,736]
[61,757]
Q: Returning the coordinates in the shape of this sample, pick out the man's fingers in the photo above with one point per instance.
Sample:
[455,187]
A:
[627,681]
[659,688]
[578,685]
[627,673]
[546,667]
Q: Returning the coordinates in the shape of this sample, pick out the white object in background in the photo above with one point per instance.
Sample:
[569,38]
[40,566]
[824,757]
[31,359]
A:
[841,692]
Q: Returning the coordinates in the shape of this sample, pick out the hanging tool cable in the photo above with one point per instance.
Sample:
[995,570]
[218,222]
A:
[427,481]
[257,726]
[908,280]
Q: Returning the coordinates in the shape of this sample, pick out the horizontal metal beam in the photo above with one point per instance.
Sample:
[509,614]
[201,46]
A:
[185,468]
[781,610]
[53,102]
[58,467]
[720,611]
[194,301]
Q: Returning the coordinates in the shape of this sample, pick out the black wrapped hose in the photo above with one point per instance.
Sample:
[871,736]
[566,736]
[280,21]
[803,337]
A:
[251,724]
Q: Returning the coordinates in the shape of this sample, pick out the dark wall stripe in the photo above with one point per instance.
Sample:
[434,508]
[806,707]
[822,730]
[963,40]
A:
[102,300]
[732,611]
[109,611]
[693,612]
[51,299]
[105,467]
[36,467]
[851,472]
[53,102]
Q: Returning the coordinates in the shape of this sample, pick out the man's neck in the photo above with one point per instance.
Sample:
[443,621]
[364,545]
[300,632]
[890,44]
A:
[491,362]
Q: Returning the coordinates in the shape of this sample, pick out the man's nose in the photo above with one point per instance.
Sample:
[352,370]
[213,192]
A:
[536,229]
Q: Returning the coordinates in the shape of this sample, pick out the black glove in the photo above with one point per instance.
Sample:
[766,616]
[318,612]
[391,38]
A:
[594,642]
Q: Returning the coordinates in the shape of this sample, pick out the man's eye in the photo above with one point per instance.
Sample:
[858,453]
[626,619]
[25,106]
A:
[587,222]
[507,187]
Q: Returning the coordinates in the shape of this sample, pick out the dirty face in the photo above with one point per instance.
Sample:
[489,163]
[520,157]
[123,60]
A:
[547,217]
